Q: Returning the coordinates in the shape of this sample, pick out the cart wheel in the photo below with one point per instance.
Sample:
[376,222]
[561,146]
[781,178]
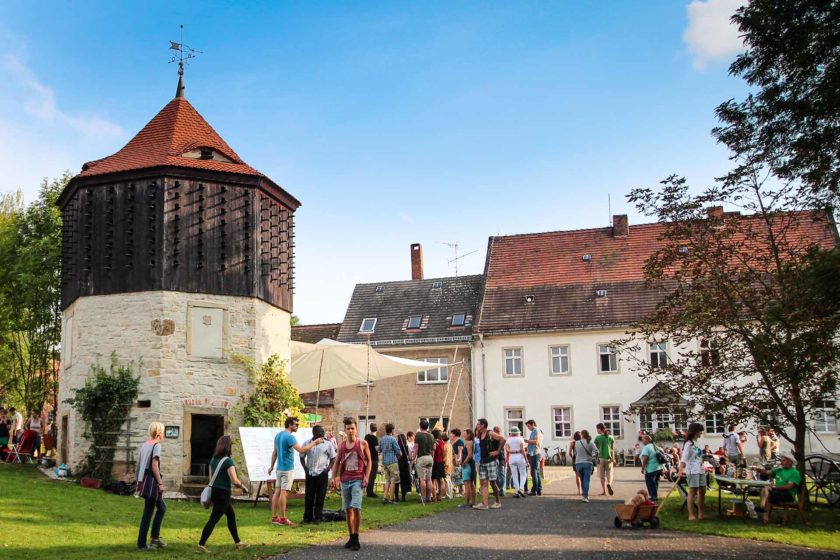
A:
[636,523]
[617,522]
[654,522]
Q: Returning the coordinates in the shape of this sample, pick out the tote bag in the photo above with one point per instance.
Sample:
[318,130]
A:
[205,494]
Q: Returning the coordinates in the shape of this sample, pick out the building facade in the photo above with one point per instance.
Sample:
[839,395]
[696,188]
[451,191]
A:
[552,304]
[179,254]
[423,319]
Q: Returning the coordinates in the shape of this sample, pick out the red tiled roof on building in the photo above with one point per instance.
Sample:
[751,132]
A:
[177,129]
[562,272]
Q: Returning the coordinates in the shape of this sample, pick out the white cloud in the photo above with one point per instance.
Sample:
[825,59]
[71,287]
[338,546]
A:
[38,138]
[40,102]
[710,36]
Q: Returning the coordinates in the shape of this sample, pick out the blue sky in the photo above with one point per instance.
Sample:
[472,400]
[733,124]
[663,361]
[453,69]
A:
[392,122]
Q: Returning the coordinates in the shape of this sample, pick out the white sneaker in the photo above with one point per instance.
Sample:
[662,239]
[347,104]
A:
[585,500]
[496,505]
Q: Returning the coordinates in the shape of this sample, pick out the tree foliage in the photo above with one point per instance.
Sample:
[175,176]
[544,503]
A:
[792,121]
[274,397]
[104,404]
[30,296]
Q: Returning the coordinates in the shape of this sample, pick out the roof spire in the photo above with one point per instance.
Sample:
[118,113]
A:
[182,55]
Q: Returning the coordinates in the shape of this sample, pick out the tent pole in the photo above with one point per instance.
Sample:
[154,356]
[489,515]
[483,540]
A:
[318,394]
[367,386]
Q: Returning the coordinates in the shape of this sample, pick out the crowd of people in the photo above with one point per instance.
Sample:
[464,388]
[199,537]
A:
[437,465]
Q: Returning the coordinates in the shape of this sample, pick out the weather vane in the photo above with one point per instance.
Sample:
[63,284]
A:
[183,53]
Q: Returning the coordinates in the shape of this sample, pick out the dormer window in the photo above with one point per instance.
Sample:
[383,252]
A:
[458,319]
[437,284]
[368,325]
[206,154]
[413,322]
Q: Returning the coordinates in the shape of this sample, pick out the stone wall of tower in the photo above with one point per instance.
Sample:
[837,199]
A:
[174,335]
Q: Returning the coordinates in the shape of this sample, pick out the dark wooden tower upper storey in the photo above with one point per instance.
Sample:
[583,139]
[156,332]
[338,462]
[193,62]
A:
[177,209]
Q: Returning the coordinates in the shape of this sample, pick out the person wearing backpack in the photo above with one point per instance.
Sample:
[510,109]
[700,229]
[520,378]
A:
[652,458]
[224,476]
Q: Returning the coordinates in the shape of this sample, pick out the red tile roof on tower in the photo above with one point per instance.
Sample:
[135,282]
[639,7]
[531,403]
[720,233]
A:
[178,128]
[551,268]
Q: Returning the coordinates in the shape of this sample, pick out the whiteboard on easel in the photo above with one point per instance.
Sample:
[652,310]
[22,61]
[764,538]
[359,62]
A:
[257,447]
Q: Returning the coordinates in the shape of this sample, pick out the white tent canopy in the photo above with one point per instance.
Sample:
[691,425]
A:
[330,364]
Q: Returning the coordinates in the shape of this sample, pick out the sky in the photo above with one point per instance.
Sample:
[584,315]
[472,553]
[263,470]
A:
[393,123]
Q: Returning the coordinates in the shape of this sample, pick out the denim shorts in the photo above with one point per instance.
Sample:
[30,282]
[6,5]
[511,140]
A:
[351,494]
[696,480]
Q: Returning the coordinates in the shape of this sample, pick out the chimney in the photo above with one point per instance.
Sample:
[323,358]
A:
[621,227]
[714,212]
[416,261]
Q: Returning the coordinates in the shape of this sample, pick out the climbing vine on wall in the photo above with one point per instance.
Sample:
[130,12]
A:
[104,403]
[274,398]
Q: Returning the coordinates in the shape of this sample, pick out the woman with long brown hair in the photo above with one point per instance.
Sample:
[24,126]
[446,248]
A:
[585,454]
[220,494]
[691,467]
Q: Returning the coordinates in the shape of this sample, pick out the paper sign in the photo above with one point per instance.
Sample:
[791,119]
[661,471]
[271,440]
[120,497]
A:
[258,445]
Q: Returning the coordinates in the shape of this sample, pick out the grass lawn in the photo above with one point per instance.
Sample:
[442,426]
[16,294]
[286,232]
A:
[819,531]
[42,518]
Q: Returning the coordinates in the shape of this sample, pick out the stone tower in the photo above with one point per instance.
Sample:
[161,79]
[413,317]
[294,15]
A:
[177,252]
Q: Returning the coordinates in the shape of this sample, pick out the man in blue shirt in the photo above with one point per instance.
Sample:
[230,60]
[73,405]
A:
[283,461]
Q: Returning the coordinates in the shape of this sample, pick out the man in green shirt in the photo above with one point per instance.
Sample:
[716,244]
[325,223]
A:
[606,458]
[785,489]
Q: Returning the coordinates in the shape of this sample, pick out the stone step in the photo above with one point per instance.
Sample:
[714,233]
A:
[194,479]
[192,489]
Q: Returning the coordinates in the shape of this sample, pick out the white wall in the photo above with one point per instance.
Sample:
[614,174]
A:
[583,389]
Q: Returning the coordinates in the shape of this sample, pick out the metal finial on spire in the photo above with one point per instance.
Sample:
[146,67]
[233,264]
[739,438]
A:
[183,54]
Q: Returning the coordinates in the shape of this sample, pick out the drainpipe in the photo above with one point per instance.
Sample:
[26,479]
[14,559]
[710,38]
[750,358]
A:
[483,376]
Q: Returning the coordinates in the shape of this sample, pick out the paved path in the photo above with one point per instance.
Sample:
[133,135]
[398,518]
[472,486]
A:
[556,525]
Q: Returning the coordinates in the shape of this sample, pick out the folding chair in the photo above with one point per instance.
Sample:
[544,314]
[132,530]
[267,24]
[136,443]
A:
[24,448]
[797,506]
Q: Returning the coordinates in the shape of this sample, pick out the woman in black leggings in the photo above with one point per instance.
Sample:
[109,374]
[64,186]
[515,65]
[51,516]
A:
[220,494]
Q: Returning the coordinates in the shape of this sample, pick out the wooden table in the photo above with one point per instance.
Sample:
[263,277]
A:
[742,486]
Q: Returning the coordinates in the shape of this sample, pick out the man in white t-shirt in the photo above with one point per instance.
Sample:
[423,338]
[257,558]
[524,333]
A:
[733,446]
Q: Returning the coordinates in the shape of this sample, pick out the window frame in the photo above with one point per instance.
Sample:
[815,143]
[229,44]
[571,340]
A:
[613,353]
[661,353]
[419,319]
[521,359]
[432,419]
[425,371]
[372,327]
[463,320]
[609,423]
[554,422]
[820,417]
[520,422]
[710,352]
[718,423]
[652,420]
[568,357]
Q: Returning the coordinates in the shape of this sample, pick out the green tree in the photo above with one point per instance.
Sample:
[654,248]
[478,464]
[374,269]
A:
[274,398]
[30,297]
[792,120]
[760,292]
[104,404]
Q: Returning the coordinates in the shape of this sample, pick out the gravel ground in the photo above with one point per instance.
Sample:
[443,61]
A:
[556,525]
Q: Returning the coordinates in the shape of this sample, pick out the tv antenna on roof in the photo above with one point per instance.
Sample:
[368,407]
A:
[183,53]
[456,260]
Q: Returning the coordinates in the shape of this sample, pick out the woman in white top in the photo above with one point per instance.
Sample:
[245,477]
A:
[691,466]
[515,449]
[35,424]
